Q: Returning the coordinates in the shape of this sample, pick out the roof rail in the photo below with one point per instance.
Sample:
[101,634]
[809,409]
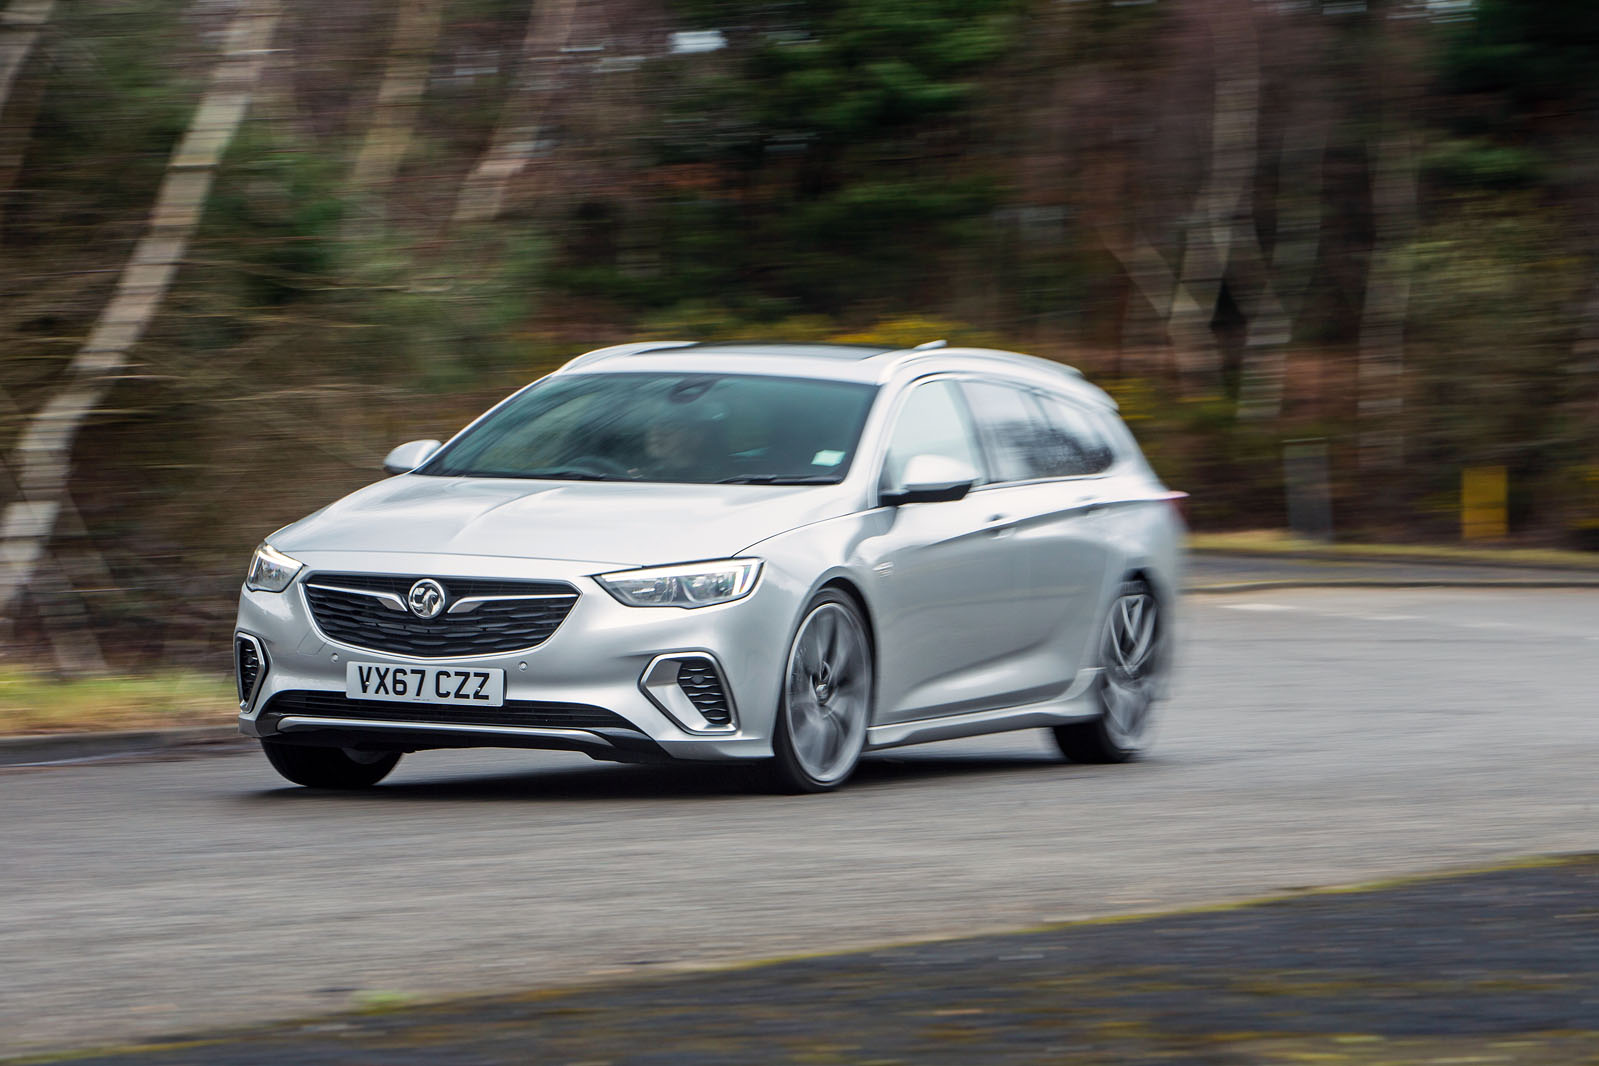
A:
[617,350]
[896,359]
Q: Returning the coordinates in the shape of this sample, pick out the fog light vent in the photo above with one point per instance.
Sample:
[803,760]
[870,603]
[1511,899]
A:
[690,689]
[249,663]
[703,686]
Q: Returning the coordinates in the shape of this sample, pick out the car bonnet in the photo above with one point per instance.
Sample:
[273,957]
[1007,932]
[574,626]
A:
[620,523]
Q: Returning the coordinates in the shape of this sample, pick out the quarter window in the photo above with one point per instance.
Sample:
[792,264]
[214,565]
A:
[932,422]
[1074,443]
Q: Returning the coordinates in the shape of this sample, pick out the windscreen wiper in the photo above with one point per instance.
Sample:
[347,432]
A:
[779,479]
[574,475]
[543,475]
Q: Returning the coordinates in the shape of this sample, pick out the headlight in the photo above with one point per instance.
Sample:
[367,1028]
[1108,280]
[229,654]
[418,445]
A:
[690,585]
[271,570]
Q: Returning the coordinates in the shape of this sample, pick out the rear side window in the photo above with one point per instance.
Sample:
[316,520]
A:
[1014,432]
[1075,440]
[932,422]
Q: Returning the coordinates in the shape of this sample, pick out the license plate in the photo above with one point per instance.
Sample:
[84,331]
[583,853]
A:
[425,684]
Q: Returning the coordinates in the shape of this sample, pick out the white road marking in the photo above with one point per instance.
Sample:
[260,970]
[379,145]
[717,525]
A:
[1262,607]
[1367,616]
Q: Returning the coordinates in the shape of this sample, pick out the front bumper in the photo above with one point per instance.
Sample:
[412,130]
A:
[605,658]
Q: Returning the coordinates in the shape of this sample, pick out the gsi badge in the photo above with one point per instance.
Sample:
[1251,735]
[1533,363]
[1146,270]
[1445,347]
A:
[476,687]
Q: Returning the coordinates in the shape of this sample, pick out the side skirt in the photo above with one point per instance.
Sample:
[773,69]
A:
[1070,706]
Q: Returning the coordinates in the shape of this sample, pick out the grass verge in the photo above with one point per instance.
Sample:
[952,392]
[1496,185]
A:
[1280,542]
[36,703]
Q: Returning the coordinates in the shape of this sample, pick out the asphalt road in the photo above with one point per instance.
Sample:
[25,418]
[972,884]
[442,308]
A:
[1318,736]
[1369,978]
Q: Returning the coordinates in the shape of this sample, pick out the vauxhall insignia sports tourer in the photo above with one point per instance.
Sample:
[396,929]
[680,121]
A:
[787,553]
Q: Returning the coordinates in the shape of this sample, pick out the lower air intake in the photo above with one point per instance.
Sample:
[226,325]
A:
[247,668]
[703,686]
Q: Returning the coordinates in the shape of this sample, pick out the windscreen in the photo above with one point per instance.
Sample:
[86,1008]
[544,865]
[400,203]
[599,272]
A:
[696,428]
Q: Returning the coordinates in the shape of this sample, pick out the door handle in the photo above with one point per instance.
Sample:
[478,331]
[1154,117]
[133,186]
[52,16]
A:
[999,525]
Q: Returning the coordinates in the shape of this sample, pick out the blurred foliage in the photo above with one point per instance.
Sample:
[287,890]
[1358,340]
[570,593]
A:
[1527,51]
[32,703]
[799,156]
[114,106]
[892,171]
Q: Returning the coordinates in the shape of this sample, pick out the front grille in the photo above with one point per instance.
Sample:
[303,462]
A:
[246,667]
[531,714]
[495,626]
[703,686]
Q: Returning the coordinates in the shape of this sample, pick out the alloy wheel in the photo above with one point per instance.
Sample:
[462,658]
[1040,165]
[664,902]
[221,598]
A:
[1131,659]
[828,692]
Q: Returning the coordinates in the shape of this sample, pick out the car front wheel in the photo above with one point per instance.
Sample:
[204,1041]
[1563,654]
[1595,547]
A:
[827,697]
[329,767]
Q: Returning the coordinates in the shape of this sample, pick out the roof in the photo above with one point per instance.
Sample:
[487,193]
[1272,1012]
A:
[840,362]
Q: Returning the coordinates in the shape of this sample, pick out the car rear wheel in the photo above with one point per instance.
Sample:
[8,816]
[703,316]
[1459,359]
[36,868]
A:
[329,767]
[827,697]
[1132,654]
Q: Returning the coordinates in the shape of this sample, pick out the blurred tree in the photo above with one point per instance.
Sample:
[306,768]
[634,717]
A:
[841,141]
[516,135]
[1522,79]
[43,457]
[20,26]
[388,138]
[1393,59]
[1531,52]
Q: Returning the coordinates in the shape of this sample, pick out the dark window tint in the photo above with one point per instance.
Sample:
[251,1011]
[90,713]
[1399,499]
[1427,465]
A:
[1073,441]
[1013,430]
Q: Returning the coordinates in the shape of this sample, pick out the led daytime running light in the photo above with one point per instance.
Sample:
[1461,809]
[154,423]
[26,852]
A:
[688,585]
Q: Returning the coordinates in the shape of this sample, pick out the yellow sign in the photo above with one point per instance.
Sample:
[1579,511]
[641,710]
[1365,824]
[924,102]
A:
[1483,492]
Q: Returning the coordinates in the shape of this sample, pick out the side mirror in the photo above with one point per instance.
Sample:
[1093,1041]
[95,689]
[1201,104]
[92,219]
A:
[931,479]
[409,456]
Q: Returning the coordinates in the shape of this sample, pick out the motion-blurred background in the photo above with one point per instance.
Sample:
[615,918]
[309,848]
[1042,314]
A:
[246,246]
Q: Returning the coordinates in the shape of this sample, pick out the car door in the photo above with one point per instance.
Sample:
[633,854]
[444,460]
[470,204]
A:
[1079,508]
[1042,512]
[945,576]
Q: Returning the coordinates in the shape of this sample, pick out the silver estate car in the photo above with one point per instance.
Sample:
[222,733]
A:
[789,553]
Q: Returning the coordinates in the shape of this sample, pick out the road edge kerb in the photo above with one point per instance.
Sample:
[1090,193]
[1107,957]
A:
[1270,584]
[177,1041]
[1375,554]
[39,749]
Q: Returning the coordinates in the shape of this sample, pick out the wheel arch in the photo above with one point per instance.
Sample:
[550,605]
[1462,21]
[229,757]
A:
[849,588]
[852,589]
[1140,571]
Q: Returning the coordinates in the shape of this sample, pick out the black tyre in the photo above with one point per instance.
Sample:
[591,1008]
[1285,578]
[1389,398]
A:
[826,700]
[329,767]
[1132,656]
